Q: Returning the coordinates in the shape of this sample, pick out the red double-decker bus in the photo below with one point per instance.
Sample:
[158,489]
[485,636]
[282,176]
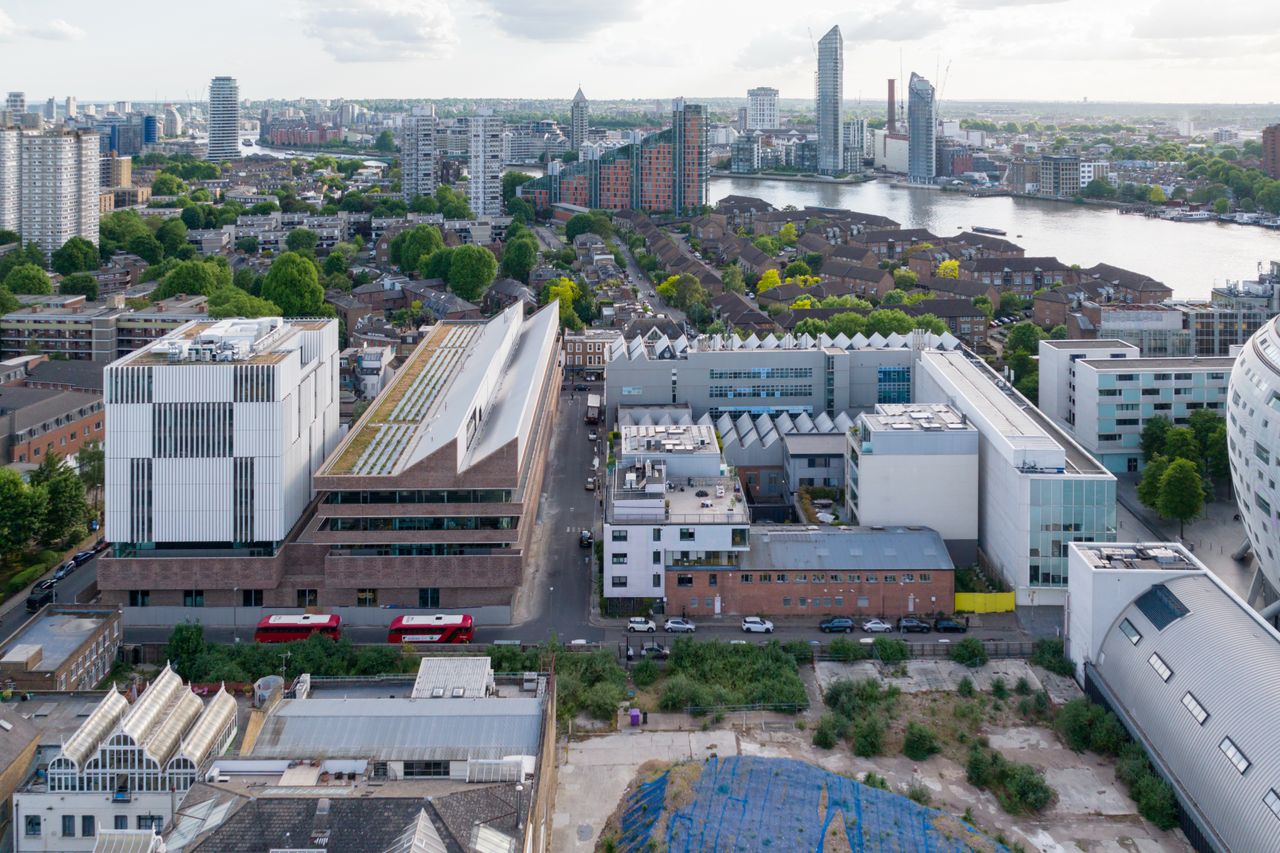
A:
[435,628]
[297,626]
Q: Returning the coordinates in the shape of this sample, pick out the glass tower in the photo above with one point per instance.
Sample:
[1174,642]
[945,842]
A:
[829,93]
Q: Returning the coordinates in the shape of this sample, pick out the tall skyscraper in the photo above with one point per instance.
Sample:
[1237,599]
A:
[1271,150]
[58,187]
[418,174]
[484,190]
[922,128]
[762,108]
[829,97]
[16,102]
[51,110]
[10,160]
[690,167]
[224,119]
[172,121]
[70,106]
[579,121]
[125,107]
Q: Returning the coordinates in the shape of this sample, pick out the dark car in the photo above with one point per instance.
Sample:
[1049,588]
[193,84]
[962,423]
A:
[912,625]
[580,387]
[47,583]
[656,651]
[949,626]
[39,599]
[835,624]
[83,557]
[586,539]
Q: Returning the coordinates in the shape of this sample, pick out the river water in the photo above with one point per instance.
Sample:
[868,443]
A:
[1190,257]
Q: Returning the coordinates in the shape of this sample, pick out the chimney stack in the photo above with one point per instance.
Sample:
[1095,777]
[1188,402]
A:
[892,125]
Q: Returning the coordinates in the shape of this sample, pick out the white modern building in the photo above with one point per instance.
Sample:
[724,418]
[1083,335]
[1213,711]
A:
[915,464]
[855,144]
[125,767]
[829,97]
[922,131]
[1103,393]
[16,102]
[213,435]
[224,119]
[762,108]
[1038,490]
[1090,169]
[1253,441]
[10,177]
[58,187]
[671,502]
[1189,670]
[69,106]
[418,172]
[579,120]
[484,189]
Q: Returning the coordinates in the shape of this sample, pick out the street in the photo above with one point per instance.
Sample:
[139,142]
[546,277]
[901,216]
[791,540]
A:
[15,608]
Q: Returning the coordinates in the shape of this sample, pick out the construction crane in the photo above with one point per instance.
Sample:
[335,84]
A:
[943,84]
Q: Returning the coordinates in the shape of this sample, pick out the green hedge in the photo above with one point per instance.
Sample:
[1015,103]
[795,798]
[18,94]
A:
[707,674]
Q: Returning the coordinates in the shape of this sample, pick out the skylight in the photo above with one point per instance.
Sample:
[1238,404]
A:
[1160,606]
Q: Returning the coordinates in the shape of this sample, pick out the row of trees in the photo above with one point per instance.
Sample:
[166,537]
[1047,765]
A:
[882,321]
[1182,463]
[48,509]
[468,269]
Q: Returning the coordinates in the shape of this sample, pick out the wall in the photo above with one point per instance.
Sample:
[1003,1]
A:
[782,598]
[52,806]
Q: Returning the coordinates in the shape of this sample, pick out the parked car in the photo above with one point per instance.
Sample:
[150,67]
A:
[591,484]
[949,626]
[876,626]
[641,624]
[48,583]
[912,625]
[101,544]
[579,387]
[64,570]
[586,539]
[39,599]
[83,557]
[593,436]
[756,625]
[676,625]
[836,623]
[656,651]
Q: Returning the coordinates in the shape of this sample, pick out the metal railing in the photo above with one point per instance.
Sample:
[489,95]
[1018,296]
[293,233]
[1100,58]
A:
[933,650]
[778,707]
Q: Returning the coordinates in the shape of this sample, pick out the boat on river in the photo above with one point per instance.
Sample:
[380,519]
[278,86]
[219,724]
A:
[985,229]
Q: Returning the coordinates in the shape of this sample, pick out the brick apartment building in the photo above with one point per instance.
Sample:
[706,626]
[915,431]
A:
[1271,151]
[63,647]
[853,571]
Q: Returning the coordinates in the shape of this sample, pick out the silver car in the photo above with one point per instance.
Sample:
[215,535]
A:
[676,625]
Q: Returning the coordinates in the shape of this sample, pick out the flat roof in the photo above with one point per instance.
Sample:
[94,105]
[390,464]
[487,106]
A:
[58,633]
[669,439]
[1162,556]
[1129,365]
[1089,344]
[917,417]
[902,548]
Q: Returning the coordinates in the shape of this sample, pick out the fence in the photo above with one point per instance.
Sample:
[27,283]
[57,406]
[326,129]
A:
[985,602]
[777,707]
[866,651]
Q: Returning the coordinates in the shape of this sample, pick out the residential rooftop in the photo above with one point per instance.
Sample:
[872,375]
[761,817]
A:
[1163,556]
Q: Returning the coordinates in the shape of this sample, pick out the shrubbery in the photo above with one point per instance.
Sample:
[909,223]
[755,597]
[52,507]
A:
[846,650]
[869,704]
[644,673]
[969,652]
[707,674]
[891,651]
[1049,654]
[1020,788]
[920,742]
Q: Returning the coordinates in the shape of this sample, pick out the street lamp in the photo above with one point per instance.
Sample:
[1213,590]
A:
[519,803]
[235,625]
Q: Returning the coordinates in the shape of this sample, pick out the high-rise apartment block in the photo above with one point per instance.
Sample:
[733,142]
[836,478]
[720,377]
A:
[16,103]
[664,171]
[829,90]
[57,186]
[484,190]
[579,120]
[224,119]
[418,152]
[213,435]
[1059,175]
[1271,150]
[51,110]
[922,126]
[762,108]
[70,106]
[855,144]
[10,152]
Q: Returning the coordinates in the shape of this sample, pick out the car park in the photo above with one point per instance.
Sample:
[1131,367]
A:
[912,625]
[586,539]
[677,625]
[948,626]
[876,626]
[836,624]
[640,624]
[756,625]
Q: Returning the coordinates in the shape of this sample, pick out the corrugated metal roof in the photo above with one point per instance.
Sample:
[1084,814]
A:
[127,841]
[85,741]
[792,549]
[401,729]
[442,677]
[1226,656]
[200,741]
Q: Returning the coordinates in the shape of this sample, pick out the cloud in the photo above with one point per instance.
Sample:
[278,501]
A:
[987,5]
[559,20]
[776,50]
[382,30]
[906,22]
[55,30]
[1171,19]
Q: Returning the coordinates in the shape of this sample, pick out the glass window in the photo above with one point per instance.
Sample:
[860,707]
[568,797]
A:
[693,602]
[890,578]
[786,601]
[1232,752]
[87,828]
[308,597]
[657,534]
[872,578]
[618,581]
[926,577]
[1161,668]
[864,601]
[1197,710]
[1272,799]
[781,577]
[657,557]
[802,601]
[684,580]
[1126,628]
[619,535]
[366,597]
[139,597]
[686,534]
[708,602]
[32,825]
[68,826]
[657,580]
[121,822]
[745,578]
[619,559]
[429,596]
[250,598]
[193,598]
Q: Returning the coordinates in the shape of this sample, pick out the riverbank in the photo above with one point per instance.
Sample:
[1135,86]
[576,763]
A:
[797,179]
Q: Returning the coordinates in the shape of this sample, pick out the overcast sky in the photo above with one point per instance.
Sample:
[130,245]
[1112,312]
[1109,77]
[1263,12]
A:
[1143,50]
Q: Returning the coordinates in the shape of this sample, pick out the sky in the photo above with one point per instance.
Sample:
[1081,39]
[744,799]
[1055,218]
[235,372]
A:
[1138,50]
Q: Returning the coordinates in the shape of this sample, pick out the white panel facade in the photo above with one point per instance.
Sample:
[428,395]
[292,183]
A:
[193,500]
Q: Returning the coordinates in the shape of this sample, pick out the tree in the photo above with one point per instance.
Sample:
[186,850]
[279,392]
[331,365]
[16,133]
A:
[797,268]
[91,467]
[29,279]
[386,142]
[66,508]
[8,302]
[172,234]
[1099,187]
[76,255]
[732,279]
[437,264]
[22,509]
[1155,194]
[566,291]
[1024,337]
[948,269]
[191,278]
[1181,443]
[231,301]
[293,284]
[768,281]
[1216,457]
[769,245]
[147,247]
[1058,333]
[1149,485]
[1154,432]
[518,258]
[520,210]
[80,283]
[167,184]
[983,304]
[417,244]
[1221,206]
[893,297]
[510,181]
[471,270]
[905,279]
[302,240]
[1181,492]
[787,235]
[1011,303]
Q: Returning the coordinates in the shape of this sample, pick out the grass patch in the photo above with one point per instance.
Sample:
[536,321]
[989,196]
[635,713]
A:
[706,675]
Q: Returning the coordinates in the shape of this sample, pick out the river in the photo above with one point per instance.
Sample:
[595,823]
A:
[1190,257]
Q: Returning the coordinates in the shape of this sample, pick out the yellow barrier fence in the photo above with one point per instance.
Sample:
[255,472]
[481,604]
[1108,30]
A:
[984,602]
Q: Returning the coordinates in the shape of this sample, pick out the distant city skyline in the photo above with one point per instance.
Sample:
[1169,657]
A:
[1161,51]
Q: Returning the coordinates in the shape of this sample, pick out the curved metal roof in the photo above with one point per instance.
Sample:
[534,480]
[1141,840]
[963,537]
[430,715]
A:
[94,730]
[1224,655]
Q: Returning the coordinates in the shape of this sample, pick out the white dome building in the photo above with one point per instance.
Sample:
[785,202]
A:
[1253,441]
